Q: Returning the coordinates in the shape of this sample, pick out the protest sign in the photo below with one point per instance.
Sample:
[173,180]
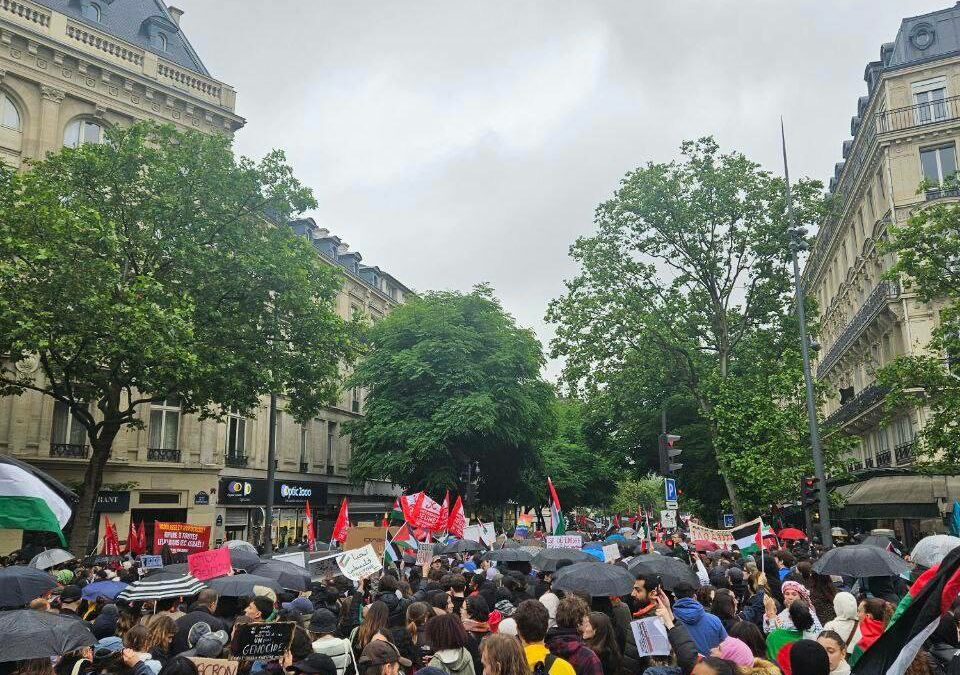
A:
[472,532]
[424,553]
[180,537]
[261,641]
[358,537]
[298,559]
[151,562]
[564,541]
[668,518]
[488,533]
[611,552]
[324,568]
[210,564]
[651,636]
[359,563]
[214,666]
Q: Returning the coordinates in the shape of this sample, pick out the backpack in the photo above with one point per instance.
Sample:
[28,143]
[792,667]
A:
[543,667]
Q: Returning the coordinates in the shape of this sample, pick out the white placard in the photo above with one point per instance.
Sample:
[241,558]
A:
[424,553]
[472,532]
[488,533]
[611,552]
[564,541]
[668,518]
[359,563]
[298,559]
[651,636]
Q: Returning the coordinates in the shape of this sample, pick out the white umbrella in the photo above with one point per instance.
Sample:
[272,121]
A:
[51,558]
[931,550]
[149,589]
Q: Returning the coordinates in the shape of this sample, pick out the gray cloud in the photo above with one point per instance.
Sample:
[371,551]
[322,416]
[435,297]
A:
[454,143]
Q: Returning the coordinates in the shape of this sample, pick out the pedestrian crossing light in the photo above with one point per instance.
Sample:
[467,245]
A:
[669,451]
[810,492]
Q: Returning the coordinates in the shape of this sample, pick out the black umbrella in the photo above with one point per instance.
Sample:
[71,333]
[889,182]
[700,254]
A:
[595,579]
[242,585]
[32,634]
[242,559]
[672,572]
[508,555]
[288,575]
[463,546]
[883,541]
[860,561]
[168,572]
[511,543]
[19,585]
[155,588]
[547,559]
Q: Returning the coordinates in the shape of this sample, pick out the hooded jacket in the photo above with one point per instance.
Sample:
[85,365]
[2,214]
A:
[706,629]
[845,606]
[453,661]
[105,624]
[567,644]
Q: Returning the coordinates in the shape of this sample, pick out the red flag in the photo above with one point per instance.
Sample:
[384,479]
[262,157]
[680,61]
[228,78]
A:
[758,537]
[142,538]
[418,508]
[111,542]
[456,522]
[311,532]
[444,514]
[342,524]
[133,539]
[616,521]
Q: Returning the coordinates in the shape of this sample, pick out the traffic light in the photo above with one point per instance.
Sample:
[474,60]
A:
[668,451]
[810,492]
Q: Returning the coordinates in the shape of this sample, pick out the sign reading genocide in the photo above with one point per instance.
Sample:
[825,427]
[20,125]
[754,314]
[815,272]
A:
[214,666]
[180,537]
[210,564]
[564,541]
[261,641]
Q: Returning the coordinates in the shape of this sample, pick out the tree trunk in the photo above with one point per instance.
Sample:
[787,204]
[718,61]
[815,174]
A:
[540,521]
[83,536]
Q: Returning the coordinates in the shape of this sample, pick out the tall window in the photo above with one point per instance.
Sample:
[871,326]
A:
[165,423]
[939,163]
[82,131]
[303,444]
[66,427]
[929,98]
[355,399]
[331,441]
[9,115]
[162,41]
[236,435]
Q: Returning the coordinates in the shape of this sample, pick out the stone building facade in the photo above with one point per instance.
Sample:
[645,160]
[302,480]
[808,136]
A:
[68,70]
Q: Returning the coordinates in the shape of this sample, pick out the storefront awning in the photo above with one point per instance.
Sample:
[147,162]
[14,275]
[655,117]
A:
[899,496]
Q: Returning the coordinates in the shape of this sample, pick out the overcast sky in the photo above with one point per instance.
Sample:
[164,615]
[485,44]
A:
[453,143]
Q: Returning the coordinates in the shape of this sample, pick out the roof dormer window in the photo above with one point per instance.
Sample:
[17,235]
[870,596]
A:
[162,41]
[91,10]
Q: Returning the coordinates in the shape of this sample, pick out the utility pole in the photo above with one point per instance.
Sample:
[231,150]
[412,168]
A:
[797,244]
[271,477]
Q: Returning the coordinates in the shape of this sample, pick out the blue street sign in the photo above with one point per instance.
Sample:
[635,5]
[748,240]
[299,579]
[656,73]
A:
[670,487]
[728,520]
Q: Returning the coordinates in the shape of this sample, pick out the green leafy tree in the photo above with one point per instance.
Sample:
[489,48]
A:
[927,251]
[143,268]
[633,493]
[451,380]
[689,259]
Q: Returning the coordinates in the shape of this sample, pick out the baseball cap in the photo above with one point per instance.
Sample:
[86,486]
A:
[302,605]
[70,593]
[381,652]
[108,646]
[315,663]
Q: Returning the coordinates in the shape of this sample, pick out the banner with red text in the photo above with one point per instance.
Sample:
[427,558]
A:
[180,537]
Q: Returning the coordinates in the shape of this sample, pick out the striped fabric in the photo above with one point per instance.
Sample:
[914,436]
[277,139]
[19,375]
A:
[159,590]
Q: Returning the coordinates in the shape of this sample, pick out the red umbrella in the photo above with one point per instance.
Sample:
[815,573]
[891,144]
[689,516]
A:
[704,546]
[792,534]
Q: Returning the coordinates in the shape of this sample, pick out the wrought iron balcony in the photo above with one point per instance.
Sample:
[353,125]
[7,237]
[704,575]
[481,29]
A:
[941,193]
[856,466]
[883,459]
[868,463]
[872,306]
[70,450]
[918,115]
[903,453]
[235,461]
[304,467]
[163,455]
[859,403]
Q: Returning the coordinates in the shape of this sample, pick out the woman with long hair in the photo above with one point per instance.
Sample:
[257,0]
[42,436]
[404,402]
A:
[33,667]
[137,640]
[503,655]
[874,614]
[597,631]
[417,615]
[162,629]
[449,641]
[724,607]
[758,588]
[822,591]
[376,618]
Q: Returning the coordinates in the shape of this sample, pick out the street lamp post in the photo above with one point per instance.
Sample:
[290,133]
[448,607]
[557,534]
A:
[271,476]
[797,244]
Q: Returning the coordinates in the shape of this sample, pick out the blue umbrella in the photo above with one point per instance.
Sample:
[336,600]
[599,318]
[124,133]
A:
[614,538]
[593,544]
[102,589]
[596,553]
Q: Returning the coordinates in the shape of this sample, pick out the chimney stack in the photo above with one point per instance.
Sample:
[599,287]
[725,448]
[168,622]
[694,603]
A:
[175,14]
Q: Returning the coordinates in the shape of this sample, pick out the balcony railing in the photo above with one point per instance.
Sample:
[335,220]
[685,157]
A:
[883,459]
[304,467]
[868,463]
[875,302]
[856,466]
[941,193]
[859,403]
[898,119]
[235,461]
[903,453]
[163,455]
[70,450]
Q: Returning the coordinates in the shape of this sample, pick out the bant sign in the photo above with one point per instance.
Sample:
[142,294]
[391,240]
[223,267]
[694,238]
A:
[359,563]
[424,553]
[564,541]
[261,641]
[210,564]
[151,562]
[214,666]
[180,537]
[611,552]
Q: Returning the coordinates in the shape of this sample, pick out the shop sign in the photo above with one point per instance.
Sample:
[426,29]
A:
[297,492]
[243,491]
[110,501]
[240,491]
[201,498]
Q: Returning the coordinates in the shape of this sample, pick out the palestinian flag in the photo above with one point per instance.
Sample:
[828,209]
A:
[745,536]
[917,618]
[390,554]
[396,515]
[557,521]
[405,540]
[33,500]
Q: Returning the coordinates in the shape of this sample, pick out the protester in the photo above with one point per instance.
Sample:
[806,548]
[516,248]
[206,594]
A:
[821,591]
[503,655]
[449,641]
[597,631]
[874,614]
[162,631]
[836,649]
[800,621]
[751,636]
[846,624]
[724,607]
[137,643]
[475,615]
[713,665]
[260,608]
[564,639]
[804,657]
[706,630]
[532,621]
[375,619]
[380,657]
[323,628]
[792,592]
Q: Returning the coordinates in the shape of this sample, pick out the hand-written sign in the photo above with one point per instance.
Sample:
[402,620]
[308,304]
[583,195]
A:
[360,563]
[210,564]
[424,553]
[651,636]
[611,552]
[151,562]
[564,541]
[214,666]
[256,641]
[324,568]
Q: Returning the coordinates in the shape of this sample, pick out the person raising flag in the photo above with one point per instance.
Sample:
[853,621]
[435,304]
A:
[557,521]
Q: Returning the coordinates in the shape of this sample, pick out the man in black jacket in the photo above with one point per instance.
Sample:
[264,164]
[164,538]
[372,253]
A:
[201,610]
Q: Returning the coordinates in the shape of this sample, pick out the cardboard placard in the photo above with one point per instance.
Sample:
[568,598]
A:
[261,641]
[488,533]
[358,537]
[215,666]
[210,564]
[472,532]
[611,552]
[424,553]
[651,636]
[324,568]
[180,537]
[151,562]
[359,563]
[298,559]
[564,541]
